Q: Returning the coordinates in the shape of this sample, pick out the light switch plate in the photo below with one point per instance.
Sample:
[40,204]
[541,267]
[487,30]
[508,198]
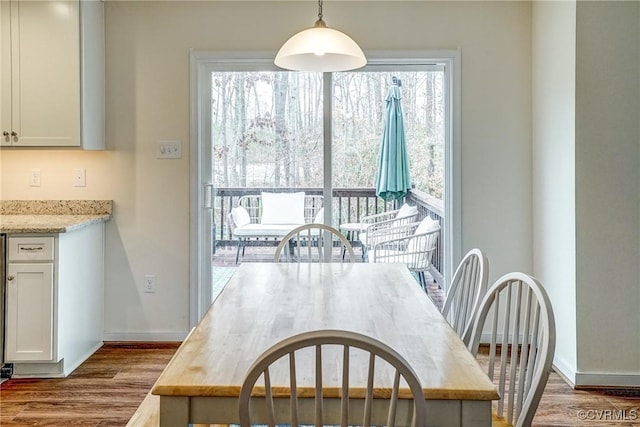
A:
[35,178]
[169,150]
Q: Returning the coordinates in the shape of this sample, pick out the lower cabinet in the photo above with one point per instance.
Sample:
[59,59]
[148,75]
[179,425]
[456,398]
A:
[29,323]
[54,301]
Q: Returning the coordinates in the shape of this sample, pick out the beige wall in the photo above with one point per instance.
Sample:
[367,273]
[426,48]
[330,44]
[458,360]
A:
[608,191]
[554,238]
[586,178]
[148,99]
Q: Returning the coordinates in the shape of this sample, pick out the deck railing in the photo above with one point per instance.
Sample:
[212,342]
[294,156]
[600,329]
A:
[349,205]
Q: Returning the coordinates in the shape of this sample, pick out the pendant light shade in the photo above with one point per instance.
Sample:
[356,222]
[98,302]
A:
[320,49]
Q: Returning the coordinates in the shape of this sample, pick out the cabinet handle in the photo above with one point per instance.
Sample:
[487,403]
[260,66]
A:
[31,249]
[14,133]
[5,133]
[208,196]
[10,278]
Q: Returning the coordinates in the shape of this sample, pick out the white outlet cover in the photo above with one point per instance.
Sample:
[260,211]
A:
[149,283]
[35,179]
[79,178]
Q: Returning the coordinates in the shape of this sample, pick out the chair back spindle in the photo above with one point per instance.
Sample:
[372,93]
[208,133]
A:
[319,342]
[467,288]
[313,243]
[521,346]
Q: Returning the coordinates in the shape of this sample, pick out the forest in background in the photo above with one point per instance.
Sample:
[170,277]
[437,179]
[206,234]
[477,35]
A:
[267,128]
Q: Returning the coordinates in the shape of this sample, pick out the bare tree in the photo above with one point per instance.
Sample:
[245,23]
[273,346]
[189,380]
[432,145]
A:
[280,88]
[268,127]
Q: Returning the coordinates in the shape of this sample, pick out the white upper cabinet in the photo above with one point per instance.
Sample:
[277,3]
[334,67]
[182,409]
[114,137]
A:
[52,74]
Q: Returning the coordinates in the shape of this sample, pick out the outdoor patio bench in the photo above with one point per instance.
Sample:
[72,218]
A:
[265,218]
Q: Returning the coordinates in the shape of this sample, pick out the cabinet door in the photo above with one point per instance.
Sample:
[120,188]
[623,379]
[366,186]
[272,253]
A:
[29,321]
[45,73]
[5,73]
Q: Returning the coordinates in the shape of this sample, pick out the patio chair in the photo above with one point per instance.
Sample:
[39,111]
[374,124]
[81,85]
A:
[373,223]
[465,292]
[307,243]
[411,244]
[527,337]
[314,351]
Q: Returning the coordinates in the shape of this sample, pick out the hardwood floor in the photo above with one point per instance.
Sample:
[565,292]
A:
[103,391]
[563,406]
[109,386]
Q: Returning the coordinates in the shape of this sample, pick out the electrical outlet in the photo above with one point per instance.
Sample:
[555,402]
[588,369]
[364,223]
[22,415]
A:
[35,178]
[79,178]
[150,283]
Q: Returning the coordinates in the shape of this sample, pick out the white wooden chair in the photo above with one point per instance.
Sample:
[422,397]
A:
[331,346]
[410,244]
[465,292]
[308,243]
[520,363]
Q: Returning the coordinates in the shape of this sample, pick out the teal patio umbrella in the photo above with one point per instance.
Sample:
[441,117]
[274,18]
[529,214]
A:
[393,181]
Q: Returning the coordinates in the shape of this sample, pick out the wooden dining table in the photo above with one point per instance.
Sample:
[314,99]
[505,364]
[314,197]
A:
[264,303]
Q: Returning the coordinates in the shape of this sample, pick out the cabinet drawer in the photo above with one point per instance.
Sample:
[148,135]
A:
[30,249]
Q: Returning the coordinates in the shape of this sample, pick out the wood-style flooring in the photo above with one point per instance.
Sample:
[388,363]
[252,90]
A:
[104,391]
[109,386]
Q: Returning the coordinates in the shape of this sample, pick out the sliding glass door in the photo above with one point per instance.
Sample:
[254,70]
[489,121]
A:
[259,128]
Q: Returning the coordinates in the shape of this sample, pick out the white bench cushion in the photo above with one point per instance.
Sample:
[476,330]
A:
[282,208]
[319,218]
[240,216]
[264,230]
[406,210]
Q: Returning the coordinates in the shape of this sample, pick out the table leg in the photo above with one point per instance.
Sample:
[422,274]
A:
[174,411]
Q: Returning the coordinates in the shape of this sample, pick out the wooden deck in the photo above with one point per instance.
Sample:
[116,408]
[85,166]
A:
[225,256]
[351,205]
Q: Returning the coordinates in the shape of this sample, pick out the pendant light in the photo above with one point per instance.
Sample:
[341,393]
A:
[320,49]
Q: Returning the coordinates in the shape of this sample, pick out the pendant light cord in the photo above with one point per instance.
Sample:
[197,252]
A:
[320,23]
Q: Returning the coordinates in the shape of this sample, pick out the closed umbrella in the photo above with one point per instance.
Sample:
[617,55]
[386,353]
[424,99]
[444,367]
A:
[393,181]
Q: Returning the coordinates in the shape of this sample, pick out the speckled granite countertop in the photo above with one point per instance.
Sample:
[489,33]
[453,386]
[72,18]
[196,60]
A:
[51,216]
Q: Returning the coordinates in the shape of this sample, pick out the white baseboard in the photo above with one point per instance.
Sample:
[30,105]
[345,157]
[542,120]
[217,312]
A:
[145,336]
[607,380]
[60,369]
[71,365]
[566,372]
[586,379]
